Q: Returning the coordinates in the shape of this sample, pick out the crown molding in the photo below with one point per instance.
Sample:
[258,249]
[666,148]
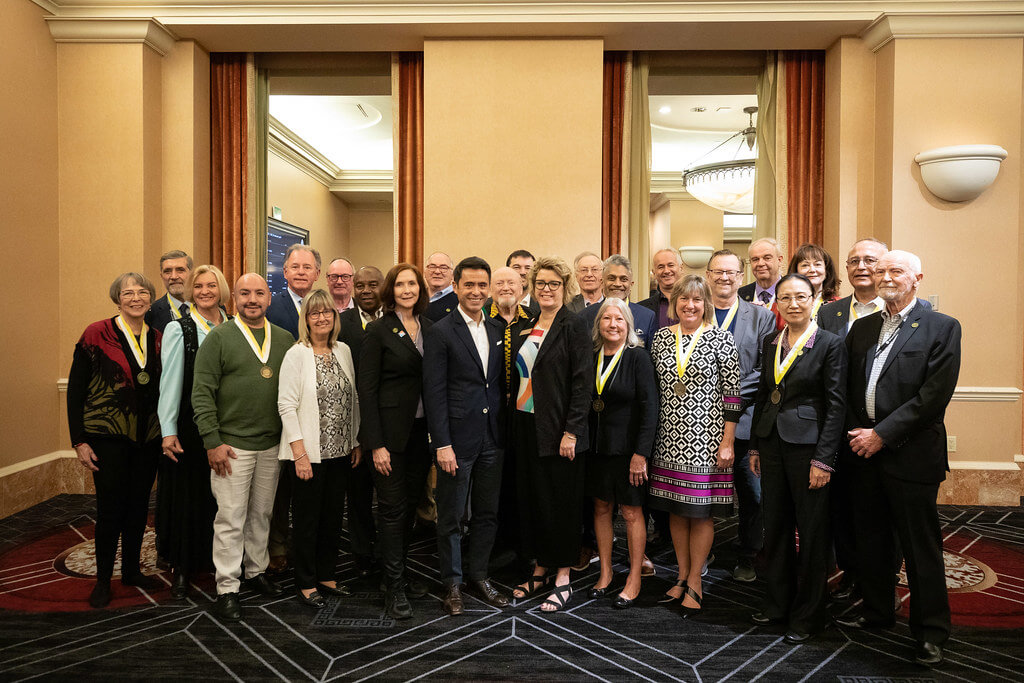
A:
[891,26]
[148,32]
[987,394]
[669,184]
[47,5]
[282,141]
[730,234]
[364,181]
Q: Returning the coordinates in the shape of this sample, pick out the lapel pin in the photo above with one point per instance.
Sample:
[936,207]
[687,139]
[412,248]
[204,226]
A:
[395,330]
[839,314]
[914,324]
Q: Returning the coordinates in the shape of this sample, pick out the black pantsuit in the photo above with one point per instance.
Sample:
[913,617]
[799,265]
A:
[317,508]
[123,483]
[359,495]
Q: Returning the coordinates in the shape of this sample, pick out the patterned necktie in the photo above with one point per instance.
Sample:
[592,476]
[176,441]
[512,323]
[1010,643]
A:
[184,309]
[765,297]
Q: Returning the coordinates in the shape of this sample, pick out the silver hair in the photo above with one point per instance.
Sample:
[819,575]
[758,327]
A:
[631,338]
[912,259]
[766,240]
[616,260]
[581,256]
[303,247]
[670,250]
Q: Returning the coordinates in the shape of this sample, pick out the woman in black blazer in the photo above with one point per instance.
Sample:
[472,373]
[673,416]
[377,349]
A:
[393,426]
[550,397]
[795,436]
[623,420]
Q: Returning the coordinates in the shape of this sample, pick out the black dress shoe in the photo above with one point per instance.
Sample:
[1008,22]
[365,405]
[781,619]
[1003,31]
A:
[762,619]
[621,602]
[416,589]
[365,566]
[844,591]
[314,600]
[484,590]
[396,604]
[140,580]
[179,586]
[100,596]
[858,621]
[928,654]
[263,584]
[452,603]
[339,591]
[227,607]
[596,593]
[796,637]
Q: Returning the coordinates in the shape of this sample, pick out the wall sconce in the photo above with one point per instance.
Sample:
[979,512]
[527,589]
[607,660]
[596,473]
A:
[961,172]
[696,257]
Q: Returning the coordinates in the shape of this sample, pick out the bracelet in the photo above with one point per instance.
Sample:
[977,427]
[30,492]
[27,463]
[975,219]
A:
[571,437]
[300,457]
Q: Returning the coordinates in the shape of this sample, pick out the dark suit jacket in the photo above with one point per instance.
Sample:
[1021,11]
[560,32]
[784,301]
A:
[746,292]
[916,385]
[653,303]
[630,416]
[835,316]
[813,406]
[159,314]
[562,377]
[390,383]
[645,323]
[283,314]
[462,398]
[751,327]
[442,307]
[351,333]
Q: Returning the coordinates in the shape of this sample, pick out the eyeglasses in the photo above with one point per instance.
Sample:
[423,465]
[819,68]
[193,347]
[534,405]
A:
[799,298]
[129,294]
[552,286]
[867,261]
[440,269]
[724,273]
[316,315]
[589,271]
[334,278]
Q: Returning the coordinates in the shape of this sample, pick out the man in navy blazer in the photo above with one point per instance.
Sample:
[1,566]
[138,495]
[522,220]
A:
[175,268]
[617,280]
[301,271]
[904,366]
[463,371]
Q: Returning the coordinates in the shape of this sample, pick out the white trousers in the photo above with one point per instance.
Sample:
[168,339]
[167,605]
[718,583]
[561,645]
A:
[245,501]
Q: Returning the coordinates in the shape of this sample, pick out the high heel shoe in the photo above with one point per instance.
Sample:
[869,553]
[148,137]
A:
[692,611]
[667,599]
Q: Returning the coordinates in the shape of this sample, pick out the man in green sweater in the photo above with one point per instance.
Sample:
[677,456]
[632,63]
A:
[234,395]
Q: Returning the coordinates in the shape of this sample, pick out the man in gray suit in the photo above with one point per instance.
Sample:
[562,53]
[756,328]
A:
[749,325]
[588,266]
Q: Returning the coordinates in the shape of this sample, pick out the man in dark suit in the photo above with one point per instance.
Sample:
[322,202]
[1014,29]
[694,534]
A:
[587,267]
[904,365]
[838,316]
[463,396]
[438,273]
[359,485]
[765,262]
[175,267]
[301,271]
[617,280]
[666,265]
[749,325]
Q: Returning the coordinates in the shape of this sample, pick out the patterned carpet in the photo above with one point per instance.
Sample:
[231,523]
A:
[48,633]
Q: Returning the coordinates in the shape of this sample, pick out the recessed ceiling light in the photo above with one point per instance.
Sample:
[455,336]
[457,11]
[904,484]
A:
[665,109]
[724,110]
[699,109]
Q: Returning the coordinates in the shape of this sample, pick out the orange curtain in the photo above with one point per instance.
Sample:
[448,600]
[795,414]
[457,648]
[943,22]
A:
[611,152]
[805,123]
[228,162]
[409,181]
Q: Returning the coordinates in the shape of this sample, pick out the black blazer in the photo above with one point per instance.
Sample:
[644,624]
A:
[645,323]
[916,384]
[282,313]
[442,307]
[562,377]
[351,332]
[630,416]
[462,398]
[813,406]
[835,316]
[746,292]
[159,314]
[390,383]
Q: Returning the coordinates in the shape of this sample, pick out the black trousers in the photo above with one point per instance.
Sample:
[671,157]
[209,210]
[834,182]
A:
[359,492]
[123,483]
[797,583]
[317,508]
[278,540]
[884,502]
[397,496]
[478,478]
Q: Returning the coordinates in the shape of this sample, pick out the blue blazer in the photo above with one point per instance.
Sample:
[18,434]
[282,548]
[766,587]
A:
[645,322]
[283,314]
[462,399]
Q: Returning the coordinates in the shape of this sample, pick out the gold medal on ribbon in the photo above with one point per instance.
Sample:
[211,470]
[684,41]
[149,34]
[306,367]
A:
[728,316]
[598,405]
[267,372]
[782,365]
[198,318]
[683,358]
[679,388]
[603,375]
[262,352]
[776,397]
[138,346]
[175,313]
[142,377]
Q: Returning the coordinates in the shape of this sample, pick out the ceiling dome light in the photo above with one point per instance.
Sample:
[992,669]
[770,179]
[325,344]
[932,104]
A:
[726,185]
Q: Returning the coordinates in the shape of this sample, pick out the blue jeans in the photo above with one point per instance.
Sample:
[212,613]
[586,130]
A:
[750,534]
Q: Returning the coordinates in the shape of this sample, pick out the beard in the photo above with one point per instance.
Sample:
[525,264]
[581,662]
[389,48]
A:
[506,301]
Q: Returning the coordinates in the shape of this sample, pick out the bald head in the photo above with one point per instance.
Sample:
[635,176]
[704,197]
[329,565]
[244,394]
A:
[506,287]
[366,288]
[252,297]
[439,271]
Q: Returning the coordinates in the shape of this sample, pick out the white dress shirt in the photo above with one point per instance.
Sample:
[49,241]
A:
[478,331]
[886,337]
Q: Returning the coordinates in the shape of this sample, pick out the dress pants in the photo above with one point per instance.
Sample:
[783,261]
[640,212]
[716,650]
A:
[797,584]
[123,483]
[478,478]
[884,502]
[277,541]
[359,492]
[397,496]
[750,531]
[245,501]
[317,508]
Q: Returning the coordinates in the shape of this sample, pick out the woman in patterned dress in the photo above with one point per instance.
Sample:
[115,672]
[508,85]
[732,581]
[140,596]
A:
[698,375]
[319,424]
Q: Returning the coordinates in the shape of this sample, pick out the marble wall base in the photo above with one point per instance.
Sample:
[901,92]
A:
[62,473]
[982,487]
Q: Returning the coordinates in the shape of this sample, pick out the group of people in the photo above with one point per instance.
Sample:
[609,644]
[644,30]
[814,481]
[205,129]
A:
[545,400]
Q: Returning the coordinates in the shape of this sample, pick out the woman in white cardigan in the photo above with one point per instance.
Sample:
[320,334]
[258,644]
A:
[320,425]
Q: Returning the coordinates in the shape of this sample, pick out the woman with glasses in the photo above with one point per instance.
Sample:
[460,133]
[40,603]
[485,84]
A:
[796,432]
[319,434]
[185,507]
[112,399]
[550,396]
[816,265]
[394,426]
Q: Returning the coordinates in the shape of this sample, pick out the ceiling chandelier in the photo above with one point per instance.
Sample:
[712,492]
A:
[726,185]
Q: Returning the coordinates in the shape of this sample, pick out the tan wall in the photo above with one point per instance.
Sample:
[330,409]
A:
[512,147]
[28,194]
[308,204]
[372,238]
[695,224]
